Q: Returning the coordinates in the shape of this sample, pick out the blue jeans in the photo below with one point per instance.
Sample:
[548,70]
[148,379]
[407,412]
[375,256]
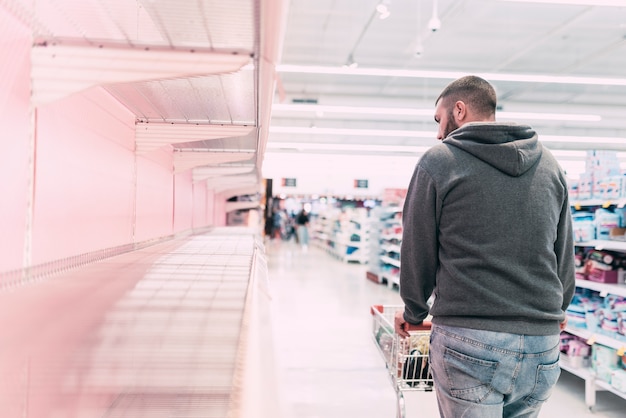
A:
[303,235]
[485,374]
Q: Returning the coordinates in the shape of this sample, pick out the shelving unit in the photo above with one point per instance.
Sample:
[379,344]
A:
[344,236]
[604,245]
[592,383]
[390,259]
[385,246]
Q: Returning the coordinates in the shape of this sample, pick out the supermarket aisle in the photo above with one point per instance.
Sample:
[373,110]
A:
[328,364]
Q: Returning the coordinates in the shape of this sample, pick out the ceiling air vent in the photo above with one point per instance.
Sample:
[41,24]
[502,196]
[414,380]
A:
[306,101]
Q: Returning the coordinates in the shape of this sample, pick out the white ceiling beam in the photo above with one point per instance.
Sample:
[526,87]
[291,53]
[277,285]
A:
[229,186]
[220,183]
[59,70]
[185,160]
[149,136]
[204,173]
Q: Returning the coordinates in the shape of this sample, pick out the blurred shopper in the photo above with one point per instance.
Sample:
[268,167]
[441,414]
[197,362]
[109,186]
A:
[302,229]
[277,223]
[488,233]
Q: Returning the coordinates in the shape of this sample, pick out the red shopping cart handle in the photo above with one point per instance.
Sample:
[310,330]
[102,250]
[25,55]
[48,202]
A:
[424,326]
[378,308]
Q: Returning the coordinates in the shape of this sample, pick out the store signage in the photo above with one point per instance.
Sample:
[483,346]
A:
[360,184]
[288,182]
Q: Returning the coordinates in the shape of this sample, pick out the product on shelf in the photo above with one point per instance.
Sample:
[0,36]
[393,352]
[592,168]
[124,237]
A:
[602,168]
[575,352]
[606,223]
[606,220]
[618,380]
[600,266]
[604,362]
[584,226]
[602,315]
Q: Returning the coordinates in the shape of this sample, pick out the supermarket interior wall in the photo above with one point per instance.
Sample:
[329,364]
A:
[183,202]
[73,183]
[334,174]
[83,184]
[324,174]
[15,43]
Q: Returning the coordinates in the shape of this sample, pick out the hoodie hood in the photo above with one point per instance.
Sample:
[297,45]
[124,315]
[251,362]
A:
[511,148]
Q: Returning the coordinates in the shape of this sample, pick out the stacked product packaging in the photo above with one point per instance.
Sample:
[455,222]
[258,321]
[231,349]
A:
[602,179]
[600,266]
[601,182]
[601,316]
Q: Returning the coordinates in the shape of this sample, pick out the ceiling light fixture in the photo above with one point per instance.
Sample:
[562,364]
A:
[550,116]
[593,142]
[350,63]
[434,24]
[320,110]
[450,75]
[307,146]
[352,132]
[617,3]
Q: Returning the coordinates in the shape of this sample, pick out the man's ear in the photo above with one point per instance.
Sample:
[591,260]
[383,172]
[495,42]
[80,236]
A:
[460,110]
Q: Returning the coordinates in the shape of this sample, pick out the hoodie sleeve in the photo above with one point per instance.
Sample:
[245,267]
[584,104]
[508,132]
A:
[419,250]
[564,250]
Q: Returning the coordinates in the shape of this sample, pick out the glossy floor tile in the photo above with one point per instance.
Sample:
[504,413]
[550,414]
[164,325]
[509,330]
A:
[328,364]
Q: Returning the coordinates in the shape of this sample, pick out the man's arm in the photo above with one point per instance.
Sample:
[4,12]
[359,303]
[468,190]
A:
[419,252]
[564,249]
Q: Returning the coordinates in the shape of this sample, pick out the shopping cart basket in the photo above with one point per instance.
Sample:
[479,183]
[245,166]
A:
[406,358]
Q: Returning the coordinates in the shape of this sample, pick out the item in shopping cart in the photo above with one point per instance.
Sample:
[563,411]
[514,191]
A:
[416,370]
[386,346]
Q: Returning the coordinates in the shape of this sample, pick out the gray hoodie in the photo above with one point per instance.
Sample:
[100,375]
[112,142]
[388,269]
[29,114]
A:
[487,228]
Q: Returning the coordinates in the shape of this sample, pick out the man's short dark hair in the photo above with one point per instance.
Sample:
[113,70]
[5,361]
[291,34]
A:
[474,91]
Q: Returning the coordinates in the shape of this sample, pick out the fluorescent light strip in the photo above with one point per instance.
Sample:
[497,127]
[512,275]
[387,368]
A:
[426,112]
[618,3]
[451,75]
[354,109]
[307,146]
[551,116]
[592,140]
[352,132]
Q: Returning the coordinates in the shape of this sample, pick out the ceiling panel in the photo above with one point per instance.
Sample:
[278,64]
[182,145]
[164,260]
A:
[500,40]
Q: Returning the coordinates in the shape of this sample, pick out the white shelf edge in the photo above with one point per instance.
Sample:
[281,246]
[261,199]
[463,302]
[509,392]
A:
[600,244]
[391,236]
[613,289]
[389,260]
[582,372]
[607,386]
[596,337]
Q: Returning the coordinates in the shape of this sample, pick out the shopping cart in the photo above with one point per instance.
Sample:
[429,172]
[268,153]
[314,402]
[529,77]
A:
[406,358]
